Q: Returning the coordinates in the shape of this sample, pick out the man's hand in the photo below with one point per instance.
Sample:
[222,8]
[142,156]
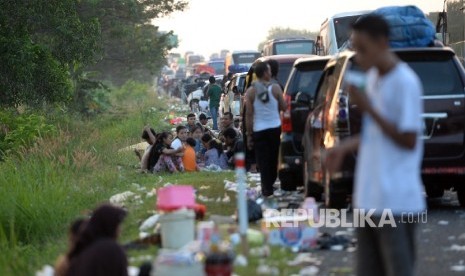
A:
[359,98]
[181,149]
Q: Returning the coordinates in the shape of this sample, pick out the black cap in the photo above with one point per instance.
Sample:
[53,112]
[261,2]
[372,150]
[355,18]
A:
[202,116]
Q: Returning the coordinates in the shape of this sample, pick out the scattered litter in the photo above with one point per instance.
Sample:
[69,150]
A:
[456,247]
[167,184]
[149,223]
[451,238]
[309,271]
[212,168]
[235,239]
[143,235]
[303,259]
[226,198]
[255,178]
[47,270]
[204,187]
[337,247]
[458,267]
[152,193]
[426,230]
[264,269]
[230,186]
[260,252]
[204,198]
[138,187]
[241,261]
[255,237]
[121,198]
[443,222]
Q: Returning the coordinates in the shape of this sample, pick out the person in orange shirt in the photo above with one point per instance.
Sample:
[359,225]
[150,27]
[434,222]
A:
[189,159]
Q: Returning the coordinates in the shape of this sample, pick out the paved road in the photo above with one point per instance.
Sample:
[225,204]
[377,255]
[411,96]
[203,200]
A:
[440,247]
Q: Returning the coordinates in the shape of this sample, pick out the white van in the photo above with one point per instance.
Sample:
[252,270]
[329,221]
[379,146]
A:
[335,32]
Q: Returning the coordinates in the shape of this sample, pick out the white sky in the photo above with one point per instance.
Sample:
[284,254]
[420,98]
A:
[207,26]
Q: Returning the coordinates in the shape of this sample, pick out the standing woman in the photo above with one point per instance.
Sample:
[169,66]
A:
[96,251]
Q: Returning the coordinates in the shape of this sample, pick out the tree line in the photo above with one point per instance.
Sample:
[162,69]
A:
[51,51]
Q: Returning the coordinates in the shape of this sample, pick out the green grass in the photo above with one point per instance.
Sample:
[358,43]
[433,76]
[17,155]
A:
[60,178]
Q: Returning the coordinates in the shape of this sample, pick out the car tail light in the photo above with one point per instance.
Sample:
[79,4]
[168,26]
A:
[286,120]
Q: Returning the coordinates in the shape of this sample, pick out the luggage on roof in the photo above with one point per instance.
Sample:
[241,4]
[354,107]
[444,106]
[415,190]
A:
[409,26]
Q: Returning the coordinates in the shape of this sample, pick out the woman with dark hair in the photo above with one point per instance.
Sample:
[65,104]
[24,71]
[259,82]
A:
[96,251]
[62,263]
[168,159]
[215,155]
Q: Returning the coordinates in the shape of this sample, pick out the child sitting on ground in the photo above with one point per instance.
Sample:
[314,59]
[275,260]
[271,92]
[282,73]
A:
[215,155]
[167,157]
[197,134]
[189,159]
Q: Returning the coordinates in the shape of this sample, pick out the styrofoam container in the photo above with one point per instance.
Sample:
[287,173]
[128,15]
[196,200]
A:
[175,197]
[177,228]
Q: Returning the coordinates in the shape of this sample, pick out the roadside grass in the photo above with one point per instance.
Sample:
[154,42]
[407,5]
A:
[61,178]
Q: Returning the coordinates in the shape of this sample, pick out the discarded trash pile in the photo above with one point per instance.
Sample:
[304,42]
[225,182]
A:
[191,245]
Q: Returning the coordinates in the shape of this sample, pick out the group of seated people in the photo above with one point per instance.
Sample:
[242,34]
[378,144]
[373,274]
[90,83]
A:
[193,147]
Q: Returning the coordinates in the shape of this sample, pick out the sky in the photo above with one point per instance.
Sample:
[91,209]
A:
[207,26]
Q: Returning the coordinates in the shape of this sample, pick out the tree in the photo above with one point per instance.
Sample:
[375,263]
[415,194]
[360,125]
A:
[279,32]
[41,42]
[132,48]
[46,47]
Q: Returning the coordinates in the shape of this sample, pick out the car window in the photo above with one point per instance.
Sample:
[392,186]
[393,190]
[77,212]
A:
[284,72]
[305,79]
[438,77]
[330,82]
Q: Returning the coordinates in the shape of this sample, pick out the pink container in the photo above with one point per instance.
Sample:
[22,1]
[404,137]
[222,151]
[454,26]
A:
[175,197]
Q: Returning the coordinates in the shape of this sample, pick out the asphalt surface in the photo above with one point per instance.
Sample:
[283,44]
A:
[440,243]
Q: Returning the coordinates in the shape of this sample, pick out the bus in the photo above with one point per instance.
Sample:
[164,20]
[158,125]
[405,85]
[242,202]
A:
[240,58]
[289,46]
[335,32]
[193,59]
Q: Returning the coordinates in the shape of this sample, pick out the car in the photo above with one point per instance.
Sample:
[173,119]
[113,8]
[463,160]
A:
[233,93]
[286,63]
[299,91]
[218,65]
[288,46]
[238,58]
[334,118]
[335,32]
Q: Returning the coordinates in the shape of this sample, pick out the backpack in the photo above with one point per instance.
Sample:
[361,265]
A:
[409,26]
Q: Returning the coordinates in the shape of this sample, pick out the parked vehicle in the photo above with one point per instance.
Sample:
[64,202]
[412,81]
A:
[289,46]
[286,63]
[334,118]
[233,93]
[245,58]
[218,65]
[335,32]
[299,92]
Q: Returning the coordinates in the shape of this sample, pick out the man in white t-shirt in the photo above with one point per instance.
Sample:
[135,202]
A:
[390,150]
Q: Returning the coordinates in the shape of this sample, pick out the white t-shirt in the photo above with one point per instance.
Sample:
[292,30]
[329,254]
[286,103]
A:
[203,106]
[387,175]
[176,144]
